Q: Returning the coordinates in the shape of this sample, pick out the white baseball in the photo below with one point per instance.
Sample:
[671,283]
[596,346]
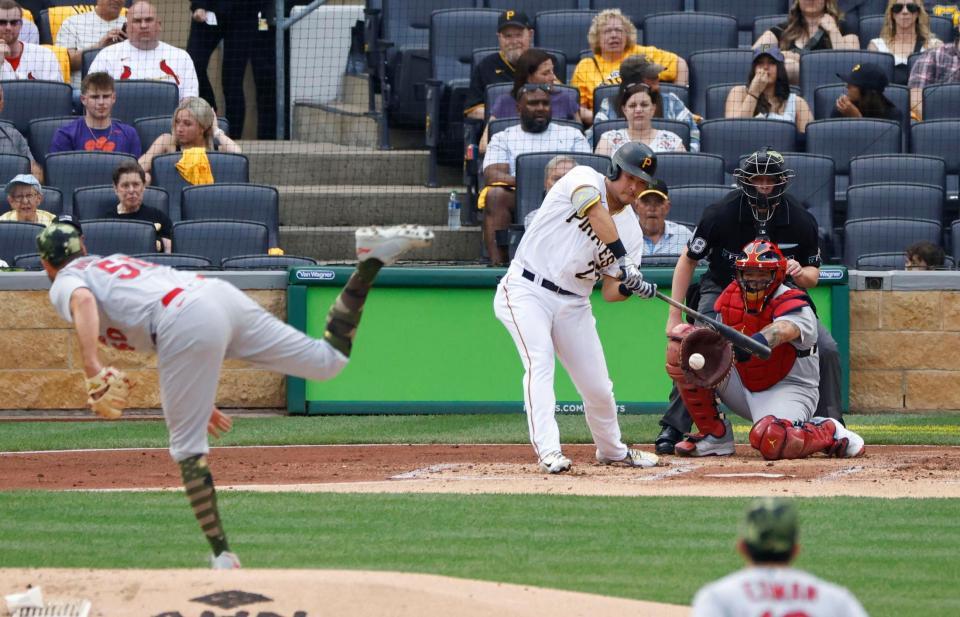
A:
[696,361]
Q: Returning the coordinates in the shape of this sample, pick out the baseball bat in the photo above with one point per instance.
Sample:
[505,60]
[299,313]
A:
[739,339]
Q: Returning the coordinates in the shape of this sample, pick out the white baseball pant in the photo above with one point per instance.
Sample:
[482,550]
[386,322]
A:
[787,401]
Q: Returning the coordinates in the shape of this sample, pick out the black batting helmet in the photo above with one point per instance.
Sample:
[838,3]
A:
[637,159]
[763,162]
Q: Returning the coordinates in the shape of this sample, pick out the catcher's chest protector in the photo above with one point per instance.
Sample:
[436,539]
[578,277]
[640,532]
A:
[756,374]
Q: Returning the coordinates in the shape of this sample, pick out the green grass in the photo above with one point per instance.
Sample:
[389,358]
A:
[940,429]
[900,557]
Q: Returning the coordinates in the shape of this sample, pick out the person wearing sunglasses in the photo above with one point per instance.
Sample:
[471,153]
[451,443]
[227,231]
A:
[906,30]
[937,66]
[23,60]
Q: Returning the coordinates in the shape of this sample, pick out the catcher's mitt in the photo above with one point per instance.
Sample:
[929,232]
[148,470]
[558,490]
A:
[107,392]
[717,353]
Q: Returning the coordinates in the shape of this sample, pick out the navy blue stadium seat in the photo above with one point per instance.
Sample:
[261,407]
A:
[884,235]
[27,99]
[679,128]
[955,238]
[530,176]
[813,186]
[716,66]
[565,31]
[687,203]
[871,7]
[898,168]
[500,124]
[939,138]
[762,23]
[244,202]
[745,11]
[825,99]
[733,138]
[607,92]
[18,239]
[894,260]
[216,240]
[821,67]
[53,201]
[495,91]
[105,237]
[716,104]
[71,170]
[842,139]
[941,101]
[686,33]
[86,60]
[682,168]
[888,199]
[95,202]
[150,127]
[180,261]
[29,261]
[266,262]
[531,7]
[142,98]
[12,165]
[638,10]
[41,133]
[226,167]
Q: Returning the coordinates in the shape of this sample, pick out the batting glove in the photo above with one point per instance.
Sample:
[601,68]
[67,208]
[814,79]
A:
[645,290]
[630,274]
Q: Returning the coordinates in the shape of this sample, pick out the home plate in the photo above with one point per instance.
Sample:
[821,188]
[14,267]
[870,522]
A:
[748,475]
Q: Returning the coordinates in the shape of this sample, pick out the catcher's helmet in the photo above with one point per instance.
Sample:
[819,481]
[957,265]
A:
[59,242]
[760,256]
[763,162]
[637,159]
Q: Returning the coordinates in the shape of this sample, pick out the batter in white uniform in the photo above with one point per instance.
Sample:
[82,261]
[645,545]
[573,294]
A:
[768,586]
[544,301]
[193,323]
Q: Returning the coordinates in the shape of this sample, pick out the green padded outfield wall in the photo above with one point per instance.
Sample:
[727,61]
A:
[430,343]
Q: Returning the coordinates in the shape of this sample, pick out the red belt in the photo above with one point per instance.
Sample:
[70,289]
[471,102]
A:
[173,293]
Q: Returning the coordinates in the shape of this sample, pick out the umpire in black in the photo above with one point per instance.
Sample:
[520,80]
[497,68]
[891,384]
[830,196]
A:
[759,207]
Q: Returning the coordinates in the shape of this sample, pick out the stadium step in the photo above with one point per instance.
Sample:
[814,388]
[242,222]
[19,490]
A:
[348,124]
[355,90]
[337,244]
[302,163]
[363,205]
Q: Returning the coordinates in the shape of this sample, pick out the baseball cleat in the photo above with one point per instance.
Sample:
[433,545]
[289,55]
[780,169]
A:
[555,463]
[225,561]
[699,444]
[386,244]
[634,458]
[848,445]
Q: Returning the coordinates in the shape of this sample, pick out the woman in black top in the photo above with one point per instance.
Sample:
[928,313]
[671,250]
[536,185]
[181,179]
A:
[864,97]
[811,25]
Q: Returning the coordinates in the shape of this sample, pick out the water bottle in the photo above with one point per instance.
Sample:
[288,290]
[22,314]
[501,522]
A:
[453,211]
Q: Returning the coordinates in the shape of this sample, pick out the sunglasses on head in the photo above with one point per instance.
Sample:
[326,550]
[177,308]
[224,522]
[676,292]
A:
[898,7]
[10,22]
[534,87]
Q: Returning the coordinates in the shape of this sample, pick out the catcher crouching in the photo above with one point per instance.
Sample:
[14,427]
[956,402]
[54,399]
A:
[780,394]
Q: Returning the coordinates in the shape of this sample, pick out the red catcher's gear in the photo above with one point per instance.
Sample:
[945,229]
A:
[700,402]
[757,374]
[777,439]
[760,256]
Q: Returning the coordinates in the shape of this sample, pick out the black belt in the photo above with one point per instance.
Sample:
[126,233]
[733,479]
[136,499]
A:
[530,276]
[803,353]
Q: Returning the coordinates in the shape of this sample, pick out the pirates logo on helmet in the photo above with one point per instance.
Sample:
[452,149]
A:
[760,271]
[635,158]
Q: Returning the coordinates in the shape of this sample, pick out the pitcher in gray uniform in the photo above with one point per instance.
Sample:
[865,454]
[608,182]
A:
[194,323]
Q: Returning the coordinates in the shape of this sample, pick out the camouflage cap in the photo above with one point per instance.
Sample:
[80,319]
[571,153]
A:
[58,242]
[770,525]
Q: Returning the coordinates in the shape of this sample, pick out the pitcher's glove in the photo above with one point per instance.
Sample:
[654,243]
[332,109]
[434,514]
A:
[717,353]
[107,392]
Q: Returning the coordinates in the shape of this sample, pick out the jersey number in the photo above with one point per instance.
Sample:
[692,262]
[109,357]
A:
[126,265]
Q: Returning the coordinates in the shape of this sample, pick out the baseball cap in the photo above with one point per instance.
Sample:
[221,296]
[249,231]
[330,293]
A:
[659,187]
[768,50]
[866,76]
[27,179]
[513,18]
[639,67]
[770,525]
[58,242]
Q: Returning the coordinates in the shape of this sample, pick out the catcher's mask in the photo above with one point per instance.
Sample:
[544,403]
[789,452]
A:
[767,267]
[763,163]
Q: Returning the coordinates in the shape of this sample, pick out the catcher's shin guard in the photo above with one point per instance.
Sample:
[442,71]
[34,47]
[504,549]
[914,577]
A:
[777,439]
[700,402]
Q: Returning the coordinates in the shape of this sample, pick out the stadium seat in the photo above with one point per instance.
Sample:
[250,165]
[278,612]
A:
[955,238]
[93,202]
[565,31]
[872,7]
[735,137]
[11,165]
[86,60]
[845,138]
[41,135]
[53,201]
[763,23]
[266,262]
[531,7]
[105,237]
[745,11]
[825,99]
[504,123]
[180,261]
[871,25]
[71,170]
[29,261]
[884,235]
[218,239]
[638,10]
[18,239]
[716,100]
[243,202]
[226,167]
[681,129]
[662,260]
[813,186]
[530,175]
[151,127]
[941,101]
[686,33]
[27,99]
[143,98]
[606,92]
[716,66]
[687,203]
[900,200]
[939,138]
[894,260]
[821,67]
[683,168]
[898,168]
[495,91]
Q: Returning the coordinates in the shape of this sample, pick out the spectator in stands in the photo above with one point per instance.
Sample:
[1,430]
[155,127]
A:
[906,30]
[864,97]
[635,103]
[555,169]
[12,142]
[23,60]
[639,68]
[767,93]
[514,36]
[811,25]
[924,255]
[130,182]
[660,236]
[144,56]
[97,130]
[937,66]
[613,37]
[194,126]
[535,133]
[94,29]
[25,195]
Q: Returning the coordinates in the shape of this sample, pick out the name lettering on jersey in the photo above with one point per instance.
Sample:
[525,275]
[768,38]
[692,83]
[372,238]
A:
[763,591]
[604,258]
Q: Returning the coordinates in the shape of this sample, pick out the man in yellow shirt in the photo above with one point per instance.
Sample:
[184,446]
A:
[613,38]
[25,196]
